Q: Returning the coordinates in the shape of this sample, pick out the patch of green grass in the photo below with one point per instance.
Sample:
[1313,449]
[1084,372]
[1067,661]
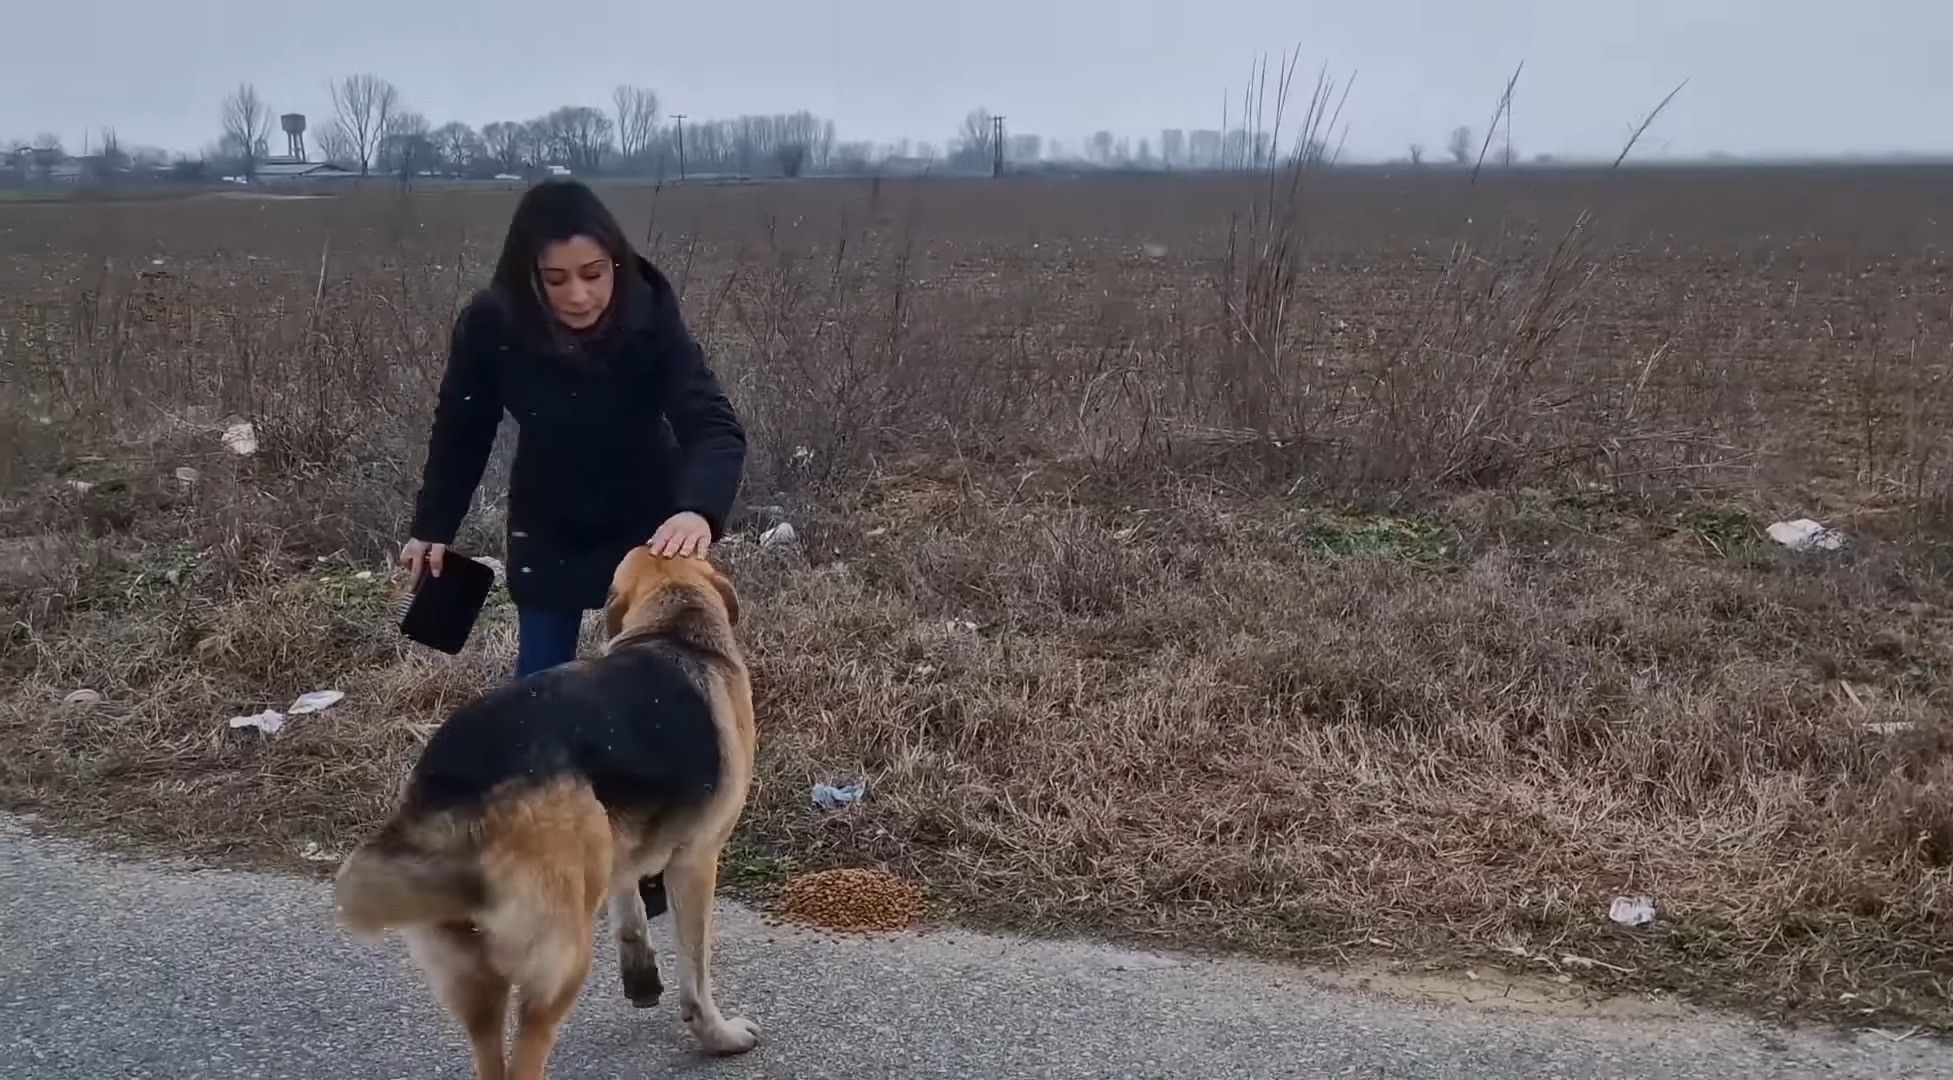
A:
[1592,509]
[161,571]
[1725,530]
[1412,540]
[750,868]
[353,590]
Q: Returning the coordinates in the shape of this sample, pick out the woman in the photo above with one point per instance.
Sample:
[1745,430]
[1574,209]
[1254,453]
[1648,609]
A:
[580,340]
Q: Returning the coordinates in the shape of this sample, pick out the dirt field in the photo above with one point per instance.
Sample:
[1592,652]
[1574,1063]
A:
[1375,575]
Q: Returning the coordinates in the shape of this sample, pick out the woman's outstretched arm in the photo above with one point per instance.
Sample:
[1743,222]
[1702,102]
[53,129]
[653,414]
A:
[711,442]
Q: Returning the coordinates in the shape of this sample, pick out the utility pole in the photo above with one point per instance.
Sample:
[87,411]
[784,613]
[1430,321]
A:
[680,117]
[997,147]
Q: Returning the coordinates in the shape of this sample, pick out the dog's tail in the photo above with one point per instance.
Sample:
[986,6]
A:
[409,877]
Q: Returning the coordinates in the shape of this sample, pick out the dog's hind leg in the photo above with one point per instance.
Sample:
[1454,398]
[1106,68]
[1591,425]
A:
[458,970]
[637,958]
[546,1000]
[693,877]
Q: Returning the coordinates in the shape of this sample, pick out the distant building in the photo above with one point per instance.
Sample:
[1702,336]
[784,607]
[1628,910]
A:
[287,170]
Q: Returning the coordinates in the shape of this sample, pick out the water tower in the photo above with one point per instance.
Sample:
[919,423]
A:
[294,127]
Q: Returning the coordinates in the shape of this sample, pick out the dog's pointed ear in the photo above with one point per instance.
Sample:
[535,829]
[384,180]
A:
[726,594]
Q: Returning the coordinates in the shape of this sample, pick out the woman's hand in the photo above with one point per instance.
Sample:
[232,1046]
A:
[418,553]
[685,535]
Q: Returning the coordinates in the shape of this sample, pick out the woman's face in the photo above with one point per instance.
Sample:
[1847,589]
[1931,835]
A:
[577,277]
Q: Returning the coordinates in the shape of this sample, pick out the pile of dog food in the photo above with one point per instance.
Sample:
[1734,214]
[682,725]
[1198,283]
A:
[850,901]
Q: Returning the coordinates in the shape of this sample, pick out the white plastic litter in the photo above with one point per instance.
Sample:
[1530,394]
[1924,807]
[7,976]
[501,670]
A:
[188,475]
[270,721]
[777,535]
[1632,910]
[829,796]
[1806,535]
[83,698]
[316,701]
[241,438]
[313,851]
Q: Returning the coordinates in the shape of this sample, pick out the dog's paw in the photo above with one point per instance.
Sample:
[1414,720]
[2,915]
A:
[732,1035]
[642,985]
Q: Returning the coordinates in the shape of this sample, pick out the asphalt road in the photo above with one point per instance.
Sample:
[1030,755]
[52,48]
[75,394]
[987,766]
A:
[120,969]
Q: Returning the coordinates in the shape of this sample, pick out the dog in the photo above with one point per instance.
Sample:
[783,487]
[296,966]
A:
[541,801]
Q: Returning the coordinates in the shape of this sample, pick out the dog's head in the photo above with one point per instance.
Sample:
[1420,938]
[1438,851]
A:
[647,590]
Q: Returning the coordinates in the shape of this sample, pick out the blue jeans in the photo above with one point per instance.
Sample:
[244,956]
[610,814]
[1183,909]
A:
[544,638]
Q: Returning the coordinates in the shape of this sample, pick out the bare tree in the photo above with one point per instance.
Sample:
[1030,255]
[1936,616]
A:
[580,135]
[405,146]
[637,120]
[1459,145]
[458,147]
[109,158]
[46,153]
[365,106]
[979,132]
[507,144]
[1173,147]
[822,144]
[247,124]
[337,146]
[785,144]
[1417,153]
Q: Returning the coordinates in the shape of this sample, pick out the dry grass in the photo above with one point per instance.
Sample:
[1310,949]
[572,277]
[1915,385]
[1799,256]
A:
[1356,585]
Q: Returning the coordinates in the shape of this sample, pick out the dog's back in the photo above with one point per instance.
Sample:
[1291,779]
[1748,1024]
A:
[636,725]
[627,739]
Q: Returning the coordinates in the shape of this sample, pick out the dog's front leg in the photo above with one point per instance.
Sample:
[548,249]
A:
[637,958]
[692,878]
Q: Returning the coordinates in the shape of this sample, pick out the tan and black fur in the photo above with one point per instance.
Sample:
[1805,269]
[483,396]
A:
[543,801]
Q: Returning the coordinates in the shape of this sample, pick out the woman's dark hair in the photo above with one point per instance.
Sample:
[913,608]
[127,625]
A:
[549,213]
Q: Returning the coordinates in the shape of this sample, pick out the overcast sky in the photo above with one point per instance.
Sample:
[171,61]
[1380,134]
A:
[1765,76]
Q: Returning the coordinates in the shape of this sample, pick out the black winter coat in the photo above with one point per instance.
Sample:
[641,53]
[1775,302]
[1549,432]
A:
[609,443]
